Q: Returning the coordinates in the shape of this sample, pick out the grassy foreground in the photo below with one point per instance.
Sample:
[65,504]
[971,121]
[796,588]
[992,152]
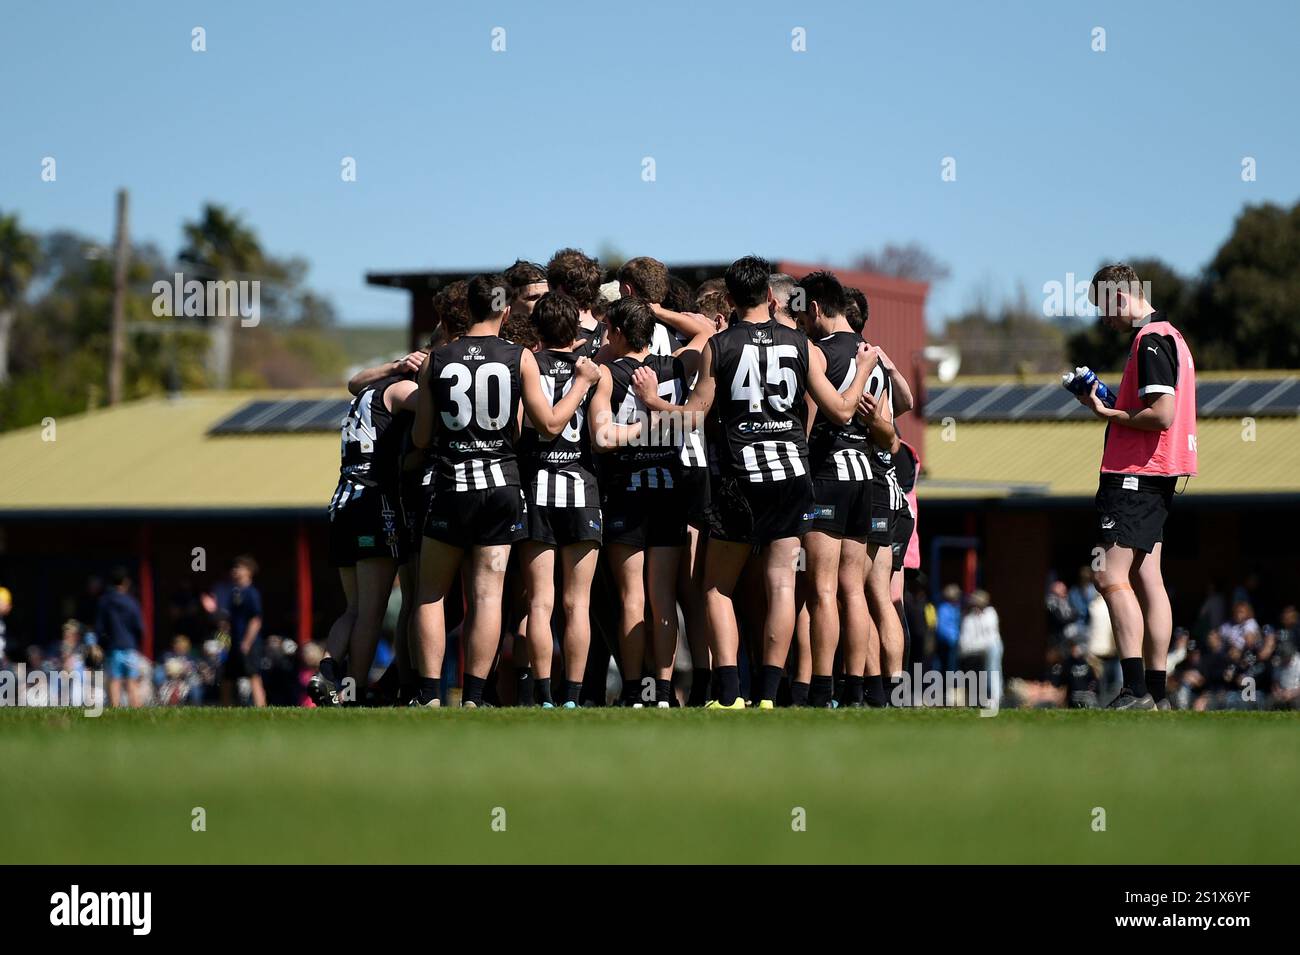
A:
[647,786]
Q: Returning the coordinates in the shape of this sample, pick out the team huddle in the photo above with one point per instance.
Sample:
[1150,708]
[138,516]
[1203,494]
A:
[726,458]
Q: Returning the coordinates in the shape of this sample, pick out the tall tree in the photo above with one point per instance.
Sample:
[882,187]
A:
[221,247]
[19,257]
[909,261]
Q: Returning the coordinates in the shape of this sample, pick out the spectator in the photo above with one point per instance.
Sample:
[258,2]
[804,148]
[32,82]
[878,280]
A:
[947,629]
[240,600]
[1082,594]
[1062,619]
[1241,627]
[6,605]
[980,641]
[120,628]
[1213,612]
[1286,679]
[1101,645]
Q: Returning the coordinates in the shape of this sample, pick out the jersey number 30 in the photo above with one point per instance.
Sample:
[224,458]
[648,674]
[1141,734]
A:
[490,383]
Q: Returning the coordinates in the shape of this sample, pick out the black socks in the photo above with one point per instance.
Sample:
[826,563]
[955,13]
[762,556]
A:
[699,687]
[728,680]
[427,689]
[799,693]
[821,691]
[572,691]
[473,690]
[770,680]
[875,691]
[1134,675]
[1157,685]
[542,691]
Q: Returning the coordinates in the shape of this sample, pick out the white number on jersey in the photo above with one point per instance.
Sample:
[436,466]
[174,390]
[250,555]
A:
[486,378]
[746,385]
[359,428]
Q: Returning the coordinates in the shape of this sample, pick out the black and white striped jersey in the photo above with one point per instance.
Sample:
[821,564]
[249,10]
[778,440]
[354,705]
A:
[559,472]
[884,468]
[665,340]
[592,339]
[476,393]
[761,372]
[372,437]
[839,452]
[653,460]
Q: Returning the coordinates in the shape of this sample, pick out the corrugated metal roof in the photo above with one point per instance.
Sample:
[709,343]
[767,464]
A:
[156,455]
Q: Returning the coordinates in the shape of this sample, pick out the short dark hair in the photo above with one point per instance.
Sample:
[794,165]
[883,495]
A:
[575,272]
[680,297]
[634,319]
[709,285]
[246,561]
[556,317]
[648,278]
[746,280]
[1116,277]
[452,309]
[855,310]
[117,576]
[823,288]
[485,293]
[523,274]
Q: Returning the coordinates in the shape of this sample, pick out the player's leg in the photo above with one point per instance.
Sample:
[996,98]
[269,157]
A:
[723,562]
[661,588]
[323,685]
[439,563]
[801,675]
[823,551]
[627,563]
[1157,619]
[578,563]
[374,586]
[538,563]
[405,639]
[487,565]
[1114,584]
[882,611]
[690,593]
[779,560]
[857,619]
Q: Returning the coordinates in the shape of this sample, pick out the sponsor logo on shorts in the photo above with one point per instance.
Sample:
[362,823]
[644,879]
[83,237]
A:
[880,523]
[366,540]
[1107,523]
[439,522]
[594,525]
[517,526]
[824,512]
[1130,483]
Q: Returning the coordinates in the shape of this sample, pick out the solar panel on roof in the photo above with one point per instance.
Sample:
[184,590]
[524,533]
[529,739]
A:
[1285,399]
[1000,408]
[960,401]
[287,415]
[1244,399]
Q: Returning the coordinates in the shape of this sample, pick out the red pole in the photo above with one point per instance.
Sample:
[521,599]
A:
[304,585]
[971,566]
[146,589]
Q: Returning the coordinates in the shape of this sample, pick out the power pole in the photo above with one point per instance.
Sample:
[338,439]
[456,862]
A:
[117,344]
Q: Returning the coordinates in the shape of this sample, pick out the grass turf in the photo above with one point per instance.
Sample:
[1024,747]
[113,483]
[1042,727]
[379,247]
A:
[647,786]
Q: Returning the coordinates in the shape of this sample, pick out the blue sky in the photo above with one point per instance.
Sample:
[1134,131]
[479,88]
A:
[469,158]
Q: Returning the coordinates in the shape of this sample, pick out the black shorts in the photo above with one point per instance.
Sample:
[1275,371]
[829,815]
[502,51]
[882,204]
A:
[415,506]
[697,486]
[561,526]
[364,524]
[239,664]
[485,518]
[759,512]
[650,517]
[1131,510]
[885,499]
[842,508]
[904,524]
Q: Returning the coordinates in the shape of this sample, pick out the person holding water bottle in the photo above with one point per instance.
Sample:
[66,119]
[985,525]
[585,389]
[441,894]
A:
[1150,442]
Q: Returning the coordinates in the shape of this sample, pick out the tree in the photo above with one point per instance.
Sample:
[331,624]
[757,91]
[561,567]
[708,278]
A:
[19,257]
[1249,307]
[222,248]
[1011,337]
[910,261]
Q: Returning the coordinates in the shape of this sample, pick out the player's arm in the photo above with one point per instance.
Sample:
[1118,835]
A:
[402,396]
[902,392]
[547,419]
[838,407]
[422,430]
[686,324]
[691,353]
[1157,385]
[697,403]
[407,365]
[605,434]
[879,419]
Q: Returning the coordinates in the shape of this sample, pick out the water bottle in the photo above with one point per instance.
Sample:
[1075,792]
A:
[1080,381]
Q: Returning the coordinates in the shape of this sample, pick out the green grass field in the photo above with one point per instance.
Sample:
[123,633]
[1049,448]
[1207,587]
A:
[647,786]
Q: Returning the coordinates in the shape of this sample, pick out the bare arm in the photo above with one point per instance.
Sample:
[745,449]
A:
[688,324]
[691,353]
[605,434]
[1158,414]
[838,407]
[879,420]
[547,419]
[363,379]
[697,403]
[903,400]
[402,396]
